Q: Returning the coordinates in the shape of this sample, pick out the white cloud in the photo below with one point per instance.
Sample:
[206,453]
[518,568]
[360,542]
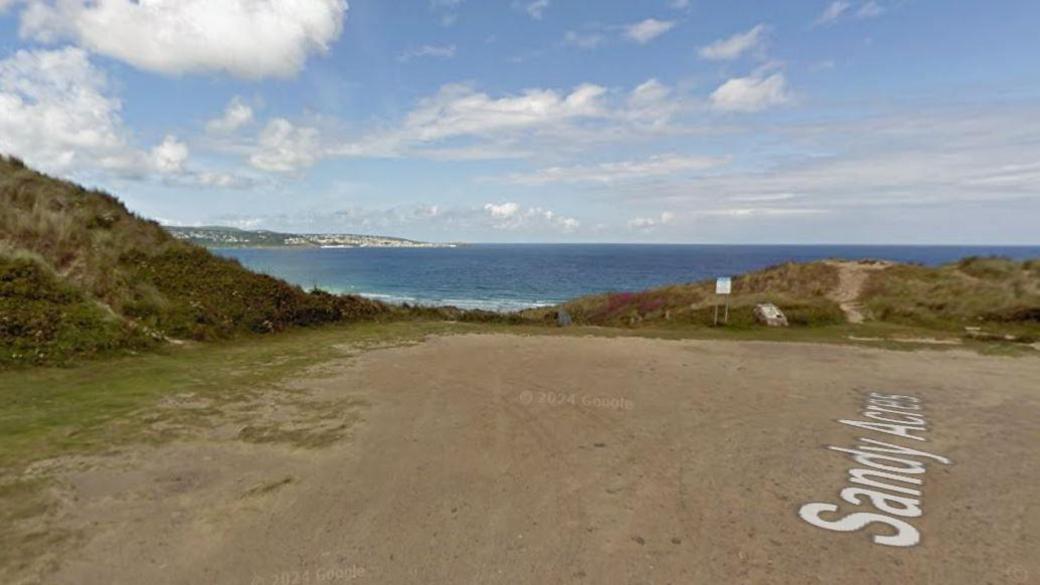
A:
[650,91]
[832,12]
[839,9]
[458,110]
[56,113]
[436,51]
[751,94]
[736,45]
[283,147]
[170,155]
[738,212]
[511,216]
[647,224]
[651,103]
[679,4]
[222,180]
[647,30]
[438,222]
[246,38]
[236,114]
[584,40]
[870,10]
[460,123]
[610,172]
[534,8]
[957,163]
[502,210]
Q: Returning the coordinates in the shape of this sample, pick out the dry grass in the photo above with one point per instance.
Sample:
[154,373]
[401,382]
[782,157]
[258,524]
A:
[799,289]
[990,292]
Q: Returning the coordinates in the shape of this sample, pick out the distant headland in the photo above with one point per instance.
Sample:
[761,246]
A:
[230,237]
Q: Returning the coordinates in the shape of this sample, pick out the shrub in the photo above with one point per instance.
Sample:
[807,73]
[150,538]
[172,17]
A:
[121,275]
[43,320]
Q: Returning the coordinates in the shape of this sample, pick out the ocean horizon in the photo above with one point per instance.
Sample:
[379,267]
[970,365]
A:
[509,277]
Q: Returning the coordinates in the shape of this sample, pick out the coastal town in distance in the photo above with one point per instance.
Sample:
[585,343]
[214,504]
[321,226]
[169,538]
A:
[229,237]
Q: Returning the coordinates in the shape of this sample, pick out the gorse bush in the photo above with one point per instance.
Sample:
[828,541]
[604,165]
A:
[111,280]
[206,297]
[45,320]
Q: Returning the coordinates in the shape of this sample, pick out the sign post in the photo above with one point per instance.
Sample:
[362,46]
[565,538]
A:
[723,286]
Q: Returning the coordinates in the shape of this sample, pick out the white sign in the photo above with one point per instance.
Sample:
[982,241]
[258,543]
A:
[723,285]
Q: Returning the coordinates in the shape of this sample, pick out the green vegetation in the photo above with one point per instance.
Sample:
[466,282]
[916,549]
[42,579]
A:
[799,289]
[999,297]
[81,275]
[41,317]
[98,405]
[992,293]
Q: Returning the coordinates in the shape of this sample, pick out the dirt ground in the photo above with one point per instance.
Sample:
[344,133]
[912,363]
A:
[483,459]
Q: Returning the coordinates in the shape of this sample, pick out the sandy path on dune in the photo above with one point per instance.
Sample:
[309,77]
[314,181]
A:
[851,278]
[536,460]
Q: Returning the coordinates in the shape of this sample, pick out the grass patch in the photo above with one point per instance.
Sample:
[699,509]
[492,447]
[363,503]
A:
[799,289]
[95,406]
[993,293]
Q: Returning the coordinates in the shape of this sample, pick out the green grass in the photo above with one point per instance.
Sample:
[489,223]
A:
[997,294]
[799,289]
[97,405]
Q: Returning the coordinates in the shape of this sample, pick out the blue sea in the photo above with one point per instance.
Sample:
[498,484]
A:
[514,276]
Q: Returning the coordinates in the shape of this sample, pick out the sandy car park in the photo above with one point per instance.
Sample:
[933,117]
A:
[525,459]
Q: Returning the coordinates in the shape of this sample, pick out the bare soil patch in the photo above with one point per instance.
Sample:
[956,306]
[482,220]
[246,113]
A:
[508,459]
[851,278]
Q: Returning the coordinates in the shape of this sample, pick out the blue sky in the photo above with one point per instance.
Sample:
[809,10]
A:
[849,121]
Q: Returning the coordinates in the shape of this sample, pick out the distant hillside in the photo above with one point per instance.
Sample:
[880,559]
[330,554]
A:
[229,237]
[79,274]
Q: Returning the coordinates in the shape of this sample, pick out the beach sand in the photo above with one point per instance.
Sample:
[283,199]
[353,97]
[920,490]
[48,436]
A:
[537,460]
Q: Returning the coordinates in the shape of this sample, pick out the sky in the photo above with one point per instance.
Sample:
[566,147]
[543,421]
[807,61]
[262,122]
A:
[682,121]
